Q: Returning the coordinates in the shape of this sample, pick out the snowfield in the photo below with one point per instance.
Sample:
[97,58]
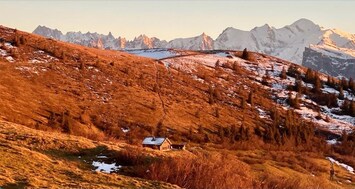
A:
[154,53]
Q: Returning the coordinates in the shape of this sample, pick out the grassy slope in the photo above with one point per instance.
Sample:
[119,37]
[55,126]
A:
[41,159]
[125,91]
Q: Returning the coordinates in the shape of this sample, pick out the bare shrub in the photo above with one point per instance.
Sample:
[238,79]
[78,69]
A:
[269,181]
[132,157]
[203,172]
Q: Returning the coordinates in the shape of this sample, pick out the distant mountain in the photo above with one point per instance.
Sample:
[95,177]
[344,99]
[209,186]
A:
[48,32]
[329,61]
[289,43]
[201,42]
[334,55]
[145,42]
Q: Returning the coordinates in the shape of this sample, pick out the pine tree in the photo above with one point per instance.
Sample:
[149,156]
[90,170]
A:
[250,98]
[344,83]
[283,73]
[217,64]
[266,78]
[242,103]
[293,102]
[233,132]
[299,86]
[241,132]
[220,132]
[310,76]
[22,40]
[211,99]
[341,93]
[235,67]
[296,101]
[245,54]
[317,84]
[63,56]
[345,107]
[329,80]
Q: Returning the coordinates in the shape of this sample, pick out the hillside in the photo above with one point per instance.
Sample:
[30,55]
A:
[267,117]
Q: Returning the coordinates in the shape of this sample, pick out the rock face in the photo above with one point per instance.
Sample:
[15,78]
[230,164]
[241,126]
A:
[144,42]
[332,65]
[48,32]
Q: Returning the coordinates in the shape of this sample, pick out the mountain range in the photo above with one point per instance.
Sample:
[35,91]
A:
[302,42]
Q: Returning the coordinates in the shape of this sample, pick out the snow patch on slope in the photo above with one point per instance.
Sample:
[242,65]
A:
[154,53]
[345,166]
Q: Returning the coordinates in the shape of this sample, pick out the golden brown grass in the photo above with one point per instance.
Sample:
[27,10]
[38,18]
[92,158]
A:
[38,159]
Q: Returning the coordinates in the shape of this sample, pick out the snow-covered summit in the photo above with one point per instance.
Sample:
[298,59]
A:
[288,42]
[201,42]
[305,25]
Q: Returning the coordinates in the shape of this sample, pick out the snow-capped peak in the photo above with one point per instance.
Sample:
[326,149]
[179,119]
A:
[305,24]
[48,32]
[201,42]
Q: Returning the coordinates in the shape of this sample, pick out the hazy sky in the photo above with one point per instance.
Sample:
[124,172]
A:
[167,19]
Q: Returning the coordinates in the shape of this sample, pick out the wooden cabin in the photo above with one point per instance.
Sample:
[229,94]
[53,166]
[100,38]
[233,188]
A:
[159,143]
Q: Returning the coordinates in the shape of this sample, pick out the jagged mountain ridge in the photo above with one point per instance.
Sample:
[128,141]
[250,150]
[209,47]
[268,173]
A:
[288,43]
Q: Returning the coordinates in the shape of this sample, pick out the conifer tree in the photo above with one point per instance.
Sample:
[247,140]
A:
[344,83]
[317,84]
[242,104]
[283,73]
[310,75]
[341,93]
[217,64]
[250,98]
[299,86]
[235,67]
[245,54]
[233,132]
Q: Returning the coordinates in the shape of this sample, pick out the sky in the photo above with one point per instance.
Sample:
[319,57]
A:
[169,19]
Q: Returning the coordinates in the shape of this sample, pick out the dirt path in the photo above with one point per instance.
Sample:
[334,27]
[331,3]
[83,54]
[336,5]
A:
[159,94]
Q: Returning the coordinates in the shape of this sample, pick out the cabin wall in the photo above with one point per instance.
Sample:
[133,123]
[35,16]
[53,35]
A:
[165,146]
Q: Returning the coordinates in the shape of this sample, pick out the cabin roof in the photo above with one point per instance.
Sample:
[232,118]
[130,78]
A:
[154,140]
